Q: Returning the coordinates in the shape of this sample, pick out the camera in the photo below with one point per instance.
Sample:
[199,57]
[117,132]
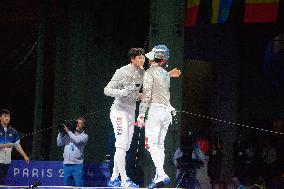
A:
[186,161]
[70,124]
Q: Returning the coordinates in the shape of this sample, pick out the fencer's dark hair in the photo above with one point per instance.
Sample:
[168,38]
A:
[4,111]
[133,52]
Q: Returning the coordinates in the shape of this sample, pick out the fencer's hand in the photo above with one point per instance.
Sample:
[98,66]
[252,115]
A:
[131,87]
[174,72]
[173,111]
[140,120]
[140,96]
[124,92]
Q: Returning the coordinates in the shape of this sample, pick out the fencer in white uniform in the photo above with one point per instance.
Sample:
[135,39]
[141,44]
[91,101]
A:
[124,87]
[156,109]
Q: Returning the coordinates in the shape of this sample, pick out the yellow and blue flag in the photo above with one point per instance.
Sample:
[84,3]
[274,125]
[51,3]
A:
[220,11]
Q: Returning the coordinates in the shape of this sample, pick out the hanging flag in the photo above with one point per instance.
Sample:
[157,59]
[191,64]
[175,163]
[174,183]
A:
[261,11]
[191,12]
[220,11]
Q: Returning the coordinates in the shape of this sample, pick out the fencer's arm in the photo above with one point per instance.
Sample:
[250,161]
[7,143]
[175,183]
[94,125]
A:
[112,87]
[147,91]
[78,139]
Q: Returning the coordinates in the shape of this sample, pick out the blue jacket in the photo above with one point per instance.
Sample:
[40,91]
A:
[10,136]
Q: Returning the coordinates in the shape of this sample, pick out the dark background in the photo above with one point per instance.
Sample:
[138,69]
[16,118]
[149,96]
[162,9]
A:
[82,43]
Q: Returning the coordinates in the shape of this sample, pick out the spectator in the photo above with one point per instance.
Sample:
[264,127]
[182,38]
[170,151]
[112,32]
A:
[236,183]
[215,161]
[9,138]
[269,158]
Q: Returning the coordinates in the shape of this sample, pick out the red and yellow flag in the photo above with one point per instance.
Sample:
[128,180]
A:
[261,11]
[191,12]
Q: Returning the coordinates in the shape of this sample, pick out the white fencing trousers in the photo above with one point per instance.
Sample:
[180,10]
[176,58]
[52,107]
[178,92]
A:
[123,127]
[156,127]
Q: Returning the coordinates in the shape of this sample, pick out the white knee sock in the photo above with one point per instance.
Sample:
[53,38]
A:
[157,161]
[162,155]
[115,172]
[119,158]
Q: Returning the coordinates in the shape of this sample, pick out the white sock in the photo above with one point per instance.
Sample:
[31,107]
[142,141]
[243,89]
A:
[119,158]
[156,176]
[162,155]
[115,172]
[157,161]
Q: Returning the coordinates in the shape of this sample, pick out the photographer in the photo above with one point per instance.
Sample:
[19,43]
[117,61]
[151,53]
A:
[74,144]
[187,159]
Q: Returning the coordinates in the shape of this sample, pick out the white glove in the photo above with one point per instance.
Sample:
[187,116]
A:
[140,96]
[128,90]
[131,87]
[124,92]
[140,120]
[173,111]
